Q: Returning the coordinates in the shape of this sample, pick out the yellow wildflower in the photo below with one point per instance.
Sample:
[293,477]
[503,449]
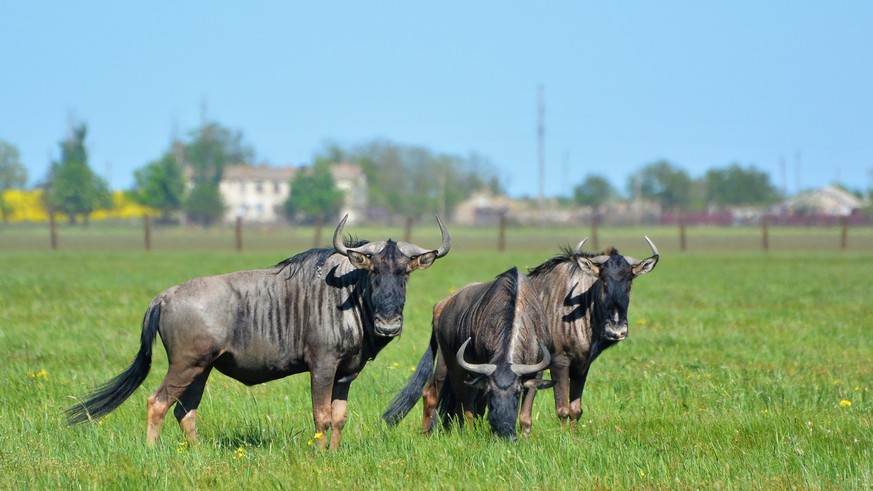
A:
[319,435]
[42,374]
[240,453]
[845,403]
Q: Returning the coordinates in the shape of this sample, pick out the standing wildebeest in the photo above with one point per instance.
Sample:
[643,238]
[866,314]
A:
[489,332]
[325,311]
[586,299]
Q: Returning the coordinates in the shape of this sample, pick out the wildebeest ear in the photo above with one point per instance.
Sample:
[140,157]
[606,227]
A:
[422,261]
[539,384]
[477,382]
[360,261]
[587,266]
[645,266]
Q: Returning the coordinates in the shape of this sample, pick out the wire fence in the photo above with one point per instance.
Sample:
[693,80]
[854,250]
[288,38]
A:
[146,236]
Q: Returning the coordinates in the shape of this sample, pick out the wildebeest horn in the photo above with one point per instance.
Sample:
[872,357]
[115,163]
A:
[634,262]
[338,237]
[529,369]
[654,249]
[483,368]
[578,249]
[446,239]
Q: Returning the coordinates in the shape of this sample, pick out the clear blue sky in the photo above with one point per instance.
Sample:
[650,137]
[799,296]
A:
[702,84]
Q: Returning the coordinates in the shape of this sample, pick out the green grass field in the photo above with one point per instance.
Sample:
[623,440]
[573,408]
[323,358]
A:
[744,369]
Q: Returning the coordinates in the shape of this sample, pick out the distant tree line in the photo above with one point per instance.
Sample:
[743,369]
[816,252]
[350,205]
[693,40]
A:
[403,180]
[674,190]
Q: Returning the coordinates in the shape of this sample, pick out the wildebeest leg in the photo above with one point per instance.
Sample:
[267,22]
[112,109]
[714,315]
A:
[525,416]
[186,408]
[431,394]
[577,385]
[561,376]
[321,380]
[175,383]
[338,408]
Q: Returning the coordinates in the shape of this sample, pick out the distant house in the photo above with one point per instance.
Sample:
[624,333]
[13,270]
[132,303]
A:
[351,180]
[483,208]
[258,193]
[255,193]
[829,200]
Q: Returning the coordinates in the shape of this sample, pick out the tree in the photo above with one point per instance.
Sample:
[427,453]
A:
[212,148]
[12,173]
[594,191]
[160,185]
[314,197]
[411,180]
[663,182]
[204,205]
[72,187]
[735,185]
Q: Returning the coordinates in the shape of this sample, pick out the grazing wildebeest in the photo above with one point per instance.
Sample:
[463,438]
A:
[325,311]
[586,299]
[486,340]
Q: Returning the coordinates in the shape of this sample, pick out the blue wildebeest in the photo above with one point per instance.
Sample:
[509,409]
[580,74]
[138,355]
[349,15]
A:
[325,311]
[586,298]
[486,340]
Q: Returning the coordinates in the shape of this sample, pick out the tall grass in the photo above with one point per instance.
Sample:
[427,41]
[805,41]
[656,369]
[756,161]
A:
[742,370]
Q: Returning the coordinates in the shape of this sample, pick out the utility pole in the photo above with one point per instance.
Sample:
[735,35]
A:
[541,132]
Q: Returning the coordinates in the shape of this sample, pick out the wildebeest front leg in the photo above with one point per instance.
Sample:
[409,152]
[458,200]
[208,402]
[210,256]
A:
[561,376]
[321,379]
[577,386]
[525,416]
[338,407]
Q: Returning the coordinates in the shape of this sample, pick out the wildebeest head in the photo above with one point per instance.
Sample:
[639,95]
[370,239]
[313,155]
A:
[502,385]
[388,265]
[615,272]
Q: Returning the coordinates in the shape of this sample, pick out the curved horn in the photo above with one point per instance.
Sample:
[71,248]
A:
[578,249]
[483,368]
[446,239]
[338,238]
[529,369]
[654,249]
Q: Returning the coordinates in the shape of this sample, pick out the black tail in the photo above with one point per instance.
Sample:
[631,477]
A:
[406,399]
[107,397]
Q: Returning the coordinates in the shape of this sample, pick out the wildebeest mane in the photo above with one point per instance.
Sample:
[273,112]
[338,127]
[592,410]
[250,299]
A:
[505,287]
[320,256]
[567,255]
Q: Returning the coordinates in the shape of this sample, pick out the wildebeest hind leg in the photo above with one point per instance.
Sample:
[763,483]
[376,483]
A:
[177,380]
[431,394]
[186,408]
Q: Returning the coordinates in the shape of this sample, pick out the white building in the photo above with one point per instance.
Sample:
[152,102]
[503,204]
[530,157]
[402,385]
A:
[255,193]
[351,180]
[258,193]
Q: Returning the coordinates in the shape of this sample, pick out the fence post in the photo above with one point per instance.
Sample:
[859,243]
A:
[239,244]
[407,234]
[147,231]
[595,220]
[765,232]
[53,231]
[682,242]
[501,233]
[844,233]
